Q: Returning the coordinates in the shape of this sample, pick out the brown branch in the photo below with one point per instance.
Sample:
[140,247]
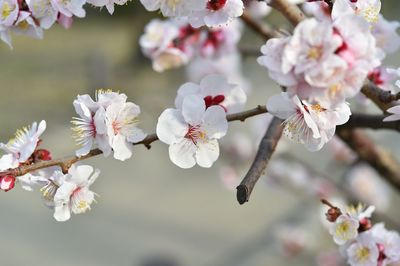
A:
[262,29]
[290,11]
[264,153]
[383,99]
[369,121]
[379,159]
[65,163]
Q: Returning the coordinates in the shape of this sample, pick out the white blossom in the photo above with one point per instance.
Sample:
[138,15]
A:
[363,252]
[215,90]
[395,114]
[344,229]
[70,193]
[192,132]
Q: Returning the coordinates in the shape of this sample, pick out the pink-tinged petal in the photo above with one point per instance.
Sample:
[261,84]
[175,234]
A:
[64,21]
[193,109]
[122,148]
[214,122]
[185,90]
[281,106]
[182,153]
[207,153]
[171,126]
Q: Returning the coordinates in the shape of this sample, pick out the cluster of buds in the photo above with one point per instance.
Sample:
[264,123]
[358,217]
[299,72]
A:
[364,243]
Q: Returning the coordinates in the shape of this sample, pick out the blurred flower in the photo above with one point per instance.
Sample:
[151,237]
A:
[395,114]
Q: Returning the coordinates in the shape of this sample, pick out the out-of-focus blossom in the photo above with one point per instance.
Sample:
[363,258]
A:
[385,33]
[367,9]
[395,114]
[368,186]
[193,132]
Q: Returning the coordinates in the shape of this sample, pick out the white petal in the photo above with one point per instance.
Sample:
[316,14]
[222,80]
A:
[122,148]
[281,106]
[207,153]
[182,153]
[8,161]
[137,135]
[214,122]
[185,90]
[171,126]
[193,109]
[62,213]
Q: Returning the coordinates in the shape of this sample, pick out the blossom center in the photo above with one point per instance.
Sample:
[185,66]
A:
[6,10]
[362,254]
[215,5]
[195,134]
[214,100]
[314,53]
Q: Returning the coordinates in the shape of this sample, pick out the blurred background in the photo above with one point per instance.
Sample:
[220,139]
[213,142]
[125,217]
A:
[150,212]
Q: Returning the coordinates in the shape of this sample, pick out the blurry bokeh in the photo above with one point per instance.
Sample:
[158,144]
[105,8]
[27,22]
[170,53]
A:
[149,212]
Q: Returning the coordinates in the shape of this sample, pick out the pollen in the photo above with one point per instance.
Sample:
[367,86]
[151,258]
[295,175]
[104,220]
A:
[83,205]
[363,253]
[6,10]
[195,134]
[342,228]
[317,108]
[314,53]
[371,14]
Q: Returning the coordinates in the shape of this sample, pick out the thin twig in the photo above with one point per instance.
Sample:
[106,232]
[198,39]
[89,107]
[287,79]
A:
[383,99]
[266,149]
[262,29]
[290,11]
[369,121]
[65,163]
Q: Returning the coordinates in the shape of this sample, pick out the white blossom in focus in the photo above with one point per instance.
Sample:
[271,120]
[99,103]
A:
[70,193]
[122,128]
[310,124]
[344,229]
[193,132]
[215,90]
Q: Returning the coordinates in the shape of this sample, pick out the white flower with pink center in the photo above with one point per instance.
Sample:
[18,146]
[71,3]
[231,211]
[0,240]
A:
[217,13]
[384,78]
[193,132]
[21,147]
[43,11]
[122,129]
[215,90]
[367,9]
[310,124]
[70,193]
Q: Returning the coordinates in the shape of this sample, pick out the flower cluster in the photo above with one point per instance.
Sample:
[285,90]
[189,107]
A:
[172,43]
[31,17]
[198,12]
[322,65]
[192,129]
[108,123]
[362,243]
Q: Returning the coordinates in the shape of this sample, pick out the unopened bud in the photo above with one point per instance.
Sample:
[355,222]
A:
[7,182]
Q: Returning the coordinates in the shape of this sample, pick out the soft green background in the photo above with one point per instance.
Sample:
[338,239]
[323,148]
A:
[147,206]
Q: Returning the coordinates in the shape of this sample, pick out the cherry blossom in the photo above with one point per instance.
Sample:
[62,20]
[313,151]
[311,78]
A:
[367,9]
[9,10]
[174,8]
[109,4]
[19,149]
[192,132]
[364,252]
[216,13]
[109,123]
[43,11]
[385,33]
[121,123]
[215,90]
[310,124]
[344,229]
[70,8]
[70,193]
[388,243]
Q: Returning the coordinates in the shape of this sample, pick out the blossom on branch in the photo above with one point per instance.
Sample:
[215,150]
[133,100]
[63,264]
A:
[109,123]
[193,132]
